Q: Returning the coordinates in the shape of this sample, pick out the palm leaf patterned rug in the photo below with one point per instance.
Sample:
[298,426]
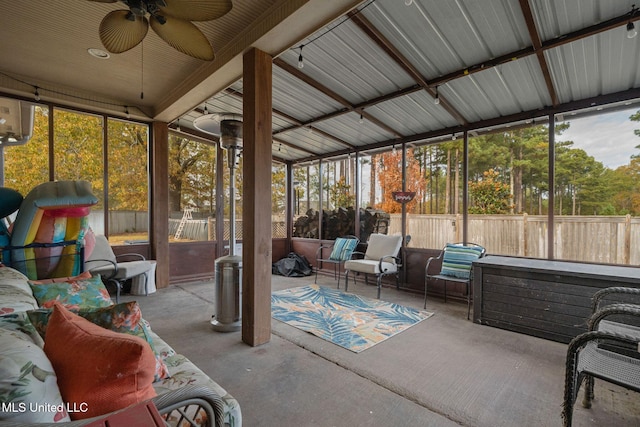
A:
[350,321]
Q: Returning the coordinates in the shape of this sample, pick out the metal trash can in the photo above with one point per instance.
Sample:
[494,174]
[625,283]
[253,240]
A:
[228,294]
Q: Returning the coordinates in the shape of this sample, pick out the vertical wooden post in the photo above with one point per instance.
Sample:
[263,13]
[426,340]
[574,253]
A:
[159,224]
[256,215]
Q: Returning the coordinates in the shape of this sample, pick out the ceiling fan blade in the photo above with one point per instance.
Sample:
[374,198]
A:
[197,10]
[118,34]
[185,37]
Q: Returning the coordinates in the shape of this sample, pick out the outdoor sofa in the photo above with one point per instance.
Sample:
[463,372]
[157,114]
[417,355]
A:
[31,390]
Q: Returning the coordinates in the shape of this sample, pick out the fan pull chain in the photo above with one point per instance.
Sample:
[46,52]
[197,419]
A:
[142,70]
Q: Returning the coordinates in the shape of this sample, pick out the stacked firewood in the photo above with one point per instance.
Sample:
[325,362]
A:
[340,222]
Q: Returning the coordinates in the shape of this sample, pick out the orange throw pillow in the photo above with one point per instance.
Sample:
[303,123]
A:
[98,370]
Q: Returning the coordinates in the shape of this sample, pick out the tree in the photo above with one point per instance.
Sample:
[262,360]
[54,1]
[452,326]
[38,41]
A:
[191,176]
[128,183]
[278,188]
[489,195]
[28,165]
[341,193]
[389,177]
[79,148]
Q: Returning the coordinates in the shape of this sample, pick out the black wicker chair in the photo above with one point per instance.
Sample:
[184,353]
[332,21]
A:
[608,351]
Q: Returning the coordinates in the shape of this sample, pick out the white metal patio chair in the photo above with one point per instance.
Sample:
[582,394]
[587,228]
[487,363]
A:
[114,269]
[380,259]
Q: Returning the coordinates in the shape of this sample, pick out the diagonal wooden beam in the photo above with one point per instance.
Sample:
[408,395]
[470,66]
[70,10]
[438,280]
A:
[537,48]
[298,124]
[331,94]
[378,38]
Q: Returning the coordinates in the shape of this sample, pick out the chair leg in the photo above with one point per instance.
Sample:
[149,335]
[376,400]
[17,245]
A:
[468,301]
[572,382]
[118,285]
[146,284]
[425,292]
[339,271]
[346,280]
[317,268]
[588,392]
[379,284]
[445,291]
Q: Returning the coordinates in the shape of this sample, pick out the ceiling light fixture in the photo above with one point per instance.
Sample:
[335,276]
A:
[206,111]
[436,100]
[36,94]
[300,58]
[361,121]
[98,53]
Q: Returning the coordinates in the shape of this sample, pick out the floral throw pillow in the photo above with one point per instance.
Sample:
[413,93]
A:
[73,294]
[27,381]
[124,317]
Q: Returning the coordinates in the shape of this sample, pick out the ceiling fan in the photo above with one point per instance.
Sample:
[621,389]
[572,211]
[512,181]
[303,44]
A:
[121,30]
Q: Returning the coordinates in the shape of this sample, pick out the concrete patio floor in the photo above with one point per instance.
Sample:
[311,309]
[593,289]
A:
[444,371]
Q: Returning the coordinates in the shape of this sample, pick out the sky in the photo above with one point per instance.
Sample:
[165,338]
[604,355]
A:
[609,138]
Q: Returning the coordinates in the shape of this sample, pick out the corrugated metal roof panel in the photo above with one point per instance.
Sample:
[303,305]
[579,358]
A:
[413,114]
[456,38]
[298,99]
[286,152]
[439,37]
[597,65]
[347,62]
[311,141]
[554,18]
[506,89]
[350,129]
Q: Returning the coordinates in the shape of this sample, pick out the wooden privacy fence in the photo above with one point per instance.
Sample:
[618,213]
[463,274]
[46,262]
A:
[601,239]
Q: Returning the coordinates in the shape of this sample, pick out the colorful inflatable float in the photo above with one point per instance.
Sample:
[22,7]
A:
[51,230]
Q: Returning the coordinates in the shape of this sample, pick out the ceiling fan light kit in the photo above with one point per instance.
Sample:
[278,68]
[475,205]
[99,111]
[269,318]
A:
[122,30]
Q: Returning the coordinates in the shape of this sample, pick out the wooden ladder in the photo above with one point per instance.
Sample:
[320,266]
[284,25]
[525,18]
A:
[185,217]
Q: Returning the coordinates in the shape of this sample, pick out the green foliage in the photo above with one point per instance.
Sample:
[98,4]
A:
[191,174]
[127,153]
[28,165]
[341,193]
[489,196]
[78,155]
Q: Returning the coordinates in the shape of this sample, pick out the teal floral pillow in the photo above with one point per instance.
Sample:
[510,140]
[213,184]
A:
[124,318]
[27,380]
[74,294]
